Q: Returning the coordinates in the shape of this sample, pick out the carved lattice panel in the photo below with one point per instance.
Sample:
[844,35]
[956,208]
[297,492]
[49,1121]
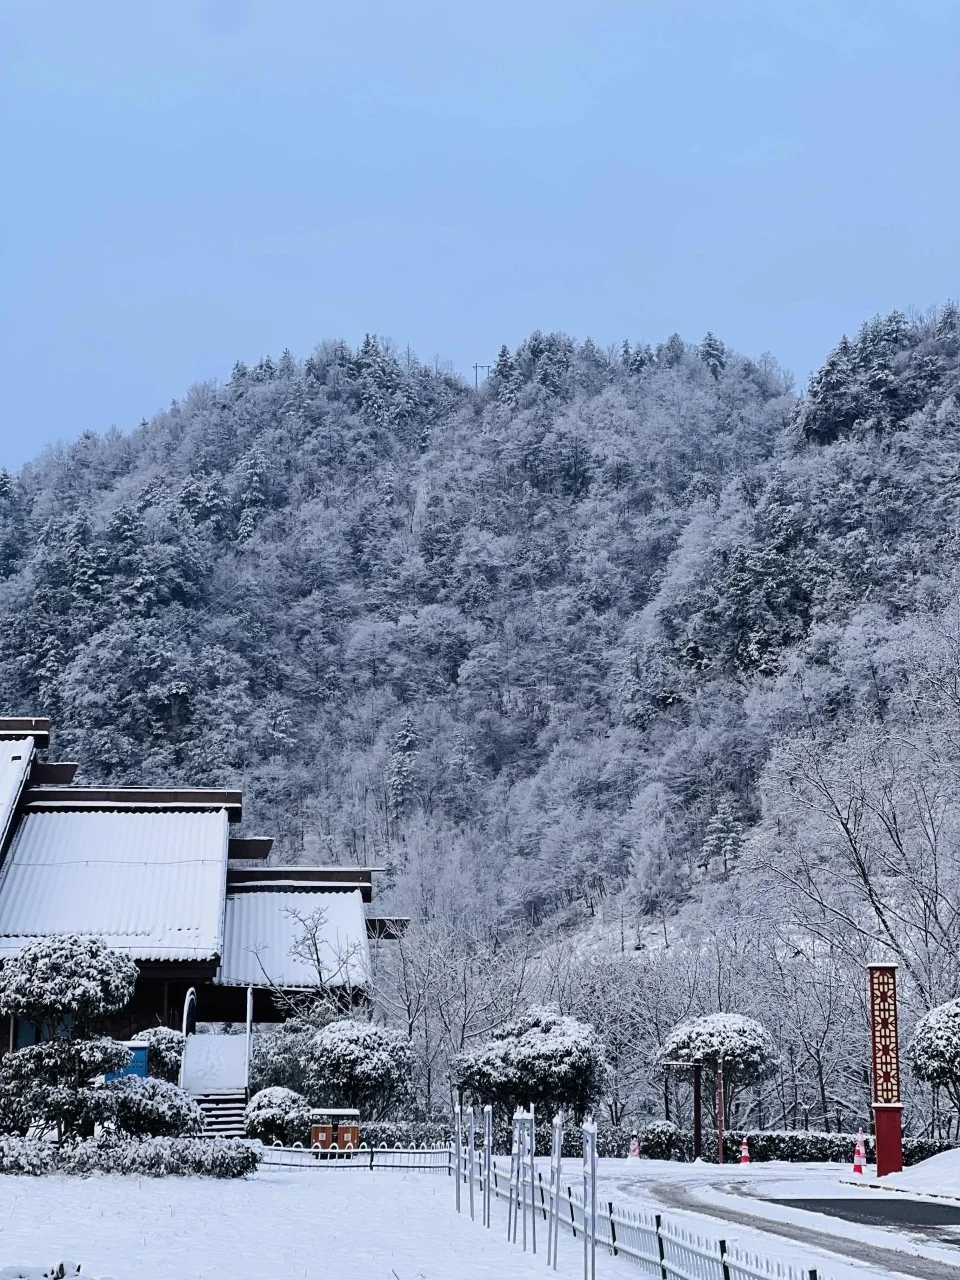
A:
[883,1020]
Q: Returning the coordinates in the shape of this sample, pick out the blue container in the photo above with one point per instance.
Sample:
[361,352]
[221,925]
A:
[137,1066]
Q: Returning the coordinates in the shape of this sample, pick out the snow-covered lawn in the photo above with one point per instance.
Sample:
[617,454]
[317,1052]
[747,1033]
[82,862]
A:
[278,1225]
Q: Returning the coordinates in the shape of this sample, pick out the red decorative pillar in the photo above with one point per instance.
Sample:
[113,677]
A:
[886,1067]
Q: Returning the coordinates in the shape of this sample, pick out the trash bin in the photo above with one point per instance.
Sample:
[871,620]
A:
[337,1123]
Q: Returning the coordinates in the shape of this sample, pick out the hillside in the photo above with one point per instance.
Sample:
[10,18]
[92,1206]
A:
[637,646]
[512,630]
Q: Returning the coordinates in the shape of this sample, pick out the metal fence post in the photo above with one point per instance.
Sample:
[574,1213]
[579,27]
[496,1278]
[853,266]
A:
[532,1151]
[456,1147]
[613,1228]
[487,1160]
[589,1200]
[723,1260]
[663,1264]
[471,1151]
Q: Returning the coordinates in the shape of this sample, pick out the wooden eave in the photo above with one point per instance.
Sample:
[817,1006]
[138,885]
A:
[249,848]
[53,773]
[125,799]
[316,879]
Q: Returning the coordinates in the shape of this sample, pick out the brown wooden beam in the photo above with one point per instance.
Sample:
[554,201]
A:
[36,727]
[53,773]
[188,798]
[249,848]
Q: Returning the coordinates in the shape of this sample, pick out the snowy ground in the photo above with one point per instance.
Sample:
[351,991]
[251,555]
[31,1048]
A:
[402,1225]
[278,1225]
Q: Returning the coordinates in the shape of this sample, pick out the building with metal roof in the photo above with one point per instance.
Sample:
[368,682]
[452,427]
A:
[155,873]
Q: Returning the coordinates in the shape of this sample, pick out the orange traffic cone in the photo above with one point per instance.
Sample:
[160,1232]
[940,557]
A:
[859,1155]
[634,1147]
[744,1152]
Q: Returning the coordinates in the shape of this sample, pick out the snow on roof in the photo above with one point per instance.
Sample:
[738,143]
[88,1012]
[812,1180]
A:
[15,757]
[261,929]
[148,884]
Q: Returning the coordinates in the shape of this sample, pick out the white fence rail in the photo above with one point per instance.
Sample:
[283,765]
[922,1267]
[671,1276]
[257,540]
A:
[661,1249]
[437,1159]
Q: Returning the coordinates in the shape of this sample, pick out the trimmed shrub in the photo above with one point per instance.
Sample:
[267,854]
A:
[278,1115]
[146,1107]
[150,1157]
[164,1052]
[405,1133]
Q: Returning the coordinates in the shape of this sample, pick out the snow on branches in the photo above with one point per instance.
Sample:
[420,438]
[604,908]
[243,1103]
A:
[65,977]
[357,1064]
[541,1057]
[745,1046]
[934,1051]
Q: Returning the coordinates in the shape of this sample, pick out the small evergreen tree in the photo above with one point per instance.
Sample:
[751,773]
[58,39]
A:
[713,354]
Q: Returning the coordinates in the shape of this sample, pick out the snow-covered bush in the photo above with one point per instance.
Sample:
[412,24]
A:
[542,1057]
[63,986]
[406,1133]
[934,1051]
[660,1140]
[23,1155]
[144,1106]
[148,1157]
[164,1051]
[745,1046]
[14,1117]
[357,1064]
[54,1081]
[160,1157]
[281,1057]
[278,1115]
[65,979]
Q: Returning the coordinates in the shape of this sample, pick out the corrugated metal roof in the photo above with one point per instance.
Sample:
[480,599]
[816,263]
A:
[262,928]
[15,757]
[148,884]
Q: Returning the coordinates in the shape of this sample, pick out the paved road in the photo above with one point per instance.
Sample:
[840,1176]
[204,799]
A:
[890,1211]
[678,1196]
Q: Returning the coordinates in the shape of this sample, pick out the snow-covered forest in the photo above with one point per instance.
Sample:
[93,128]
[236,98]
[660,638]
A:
[638,672]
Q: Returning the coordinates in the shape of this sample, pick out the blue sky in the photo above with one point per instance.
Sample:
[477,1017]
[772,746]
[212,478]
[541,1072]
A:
[189,184]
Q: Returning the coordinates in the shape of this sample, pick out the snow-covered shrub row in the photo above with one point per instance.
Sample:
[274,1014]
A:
[405,1133]
[807,1145]
[278,1115]
[149,1157]
[164,1052]
[147,1107]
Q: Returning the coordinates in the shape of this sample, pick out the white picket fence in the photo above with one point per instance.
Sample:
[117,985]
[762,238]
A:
[660,1248]
[435,1159]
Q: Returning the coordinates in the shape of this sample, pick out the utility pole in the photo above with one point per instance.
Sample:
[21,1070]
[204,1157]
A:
[476,373]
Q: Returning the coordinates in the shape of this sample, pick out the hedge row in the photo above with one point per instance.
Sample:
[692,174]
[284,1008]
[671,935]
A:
[150,1157]
[662,1141]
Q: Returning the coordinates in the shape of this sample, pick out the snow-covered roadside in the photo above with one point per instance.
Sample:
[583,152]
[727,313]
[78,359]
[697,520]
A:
[938,1176]
[297,1224]
[751,1189]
